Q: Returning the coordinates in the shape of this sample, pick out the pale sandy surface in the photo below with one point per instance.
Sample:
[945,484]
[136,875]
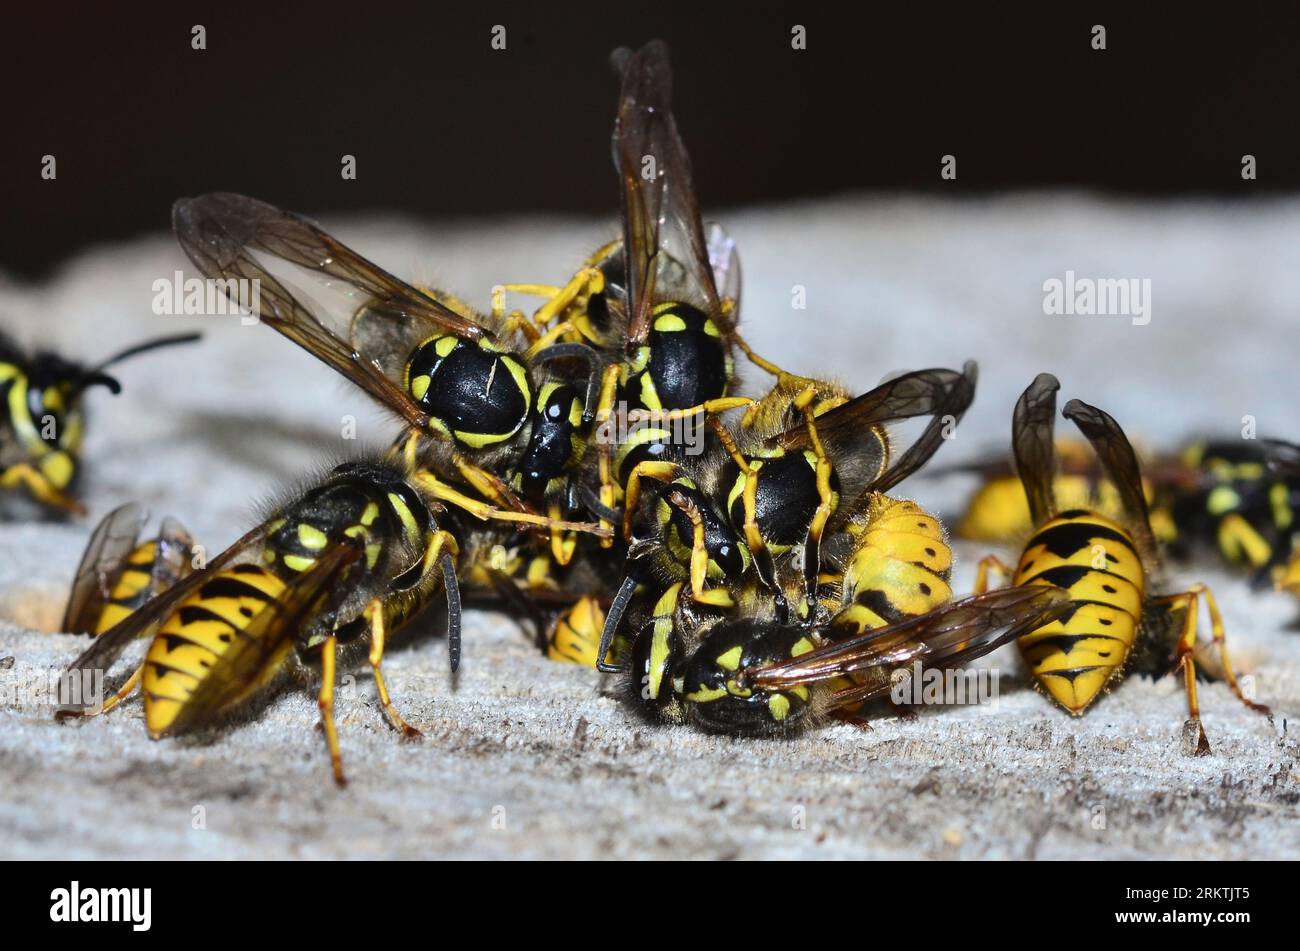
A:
[534,745]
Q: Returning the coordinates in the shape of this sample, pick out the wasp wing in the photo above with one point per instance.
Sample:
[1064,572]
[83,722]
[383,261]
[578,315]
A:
[666,255]
[1282,457]
[724,261]
[265,639]
[1032,426]
[854,437]
[1120,464]
[947,636]
[145,621]
[367,335]
[101,567]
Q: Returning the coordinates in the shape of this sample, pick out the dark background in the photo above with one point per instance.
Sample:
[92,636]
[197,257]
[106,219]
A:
[442,125]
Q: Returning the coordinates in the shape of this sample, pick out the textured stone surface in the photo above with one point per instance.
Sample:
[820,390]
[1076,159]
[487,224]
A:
[536,746]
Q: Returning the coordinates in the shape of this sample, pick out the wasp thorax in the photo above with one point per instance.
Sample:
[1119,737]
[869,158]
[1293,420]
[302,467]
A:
[714,681]
[785,499]
[685,360]
[469,389]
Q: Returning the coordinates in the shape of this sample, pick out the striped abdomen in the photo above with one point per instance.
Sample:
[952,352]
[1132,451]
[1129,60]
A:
[1095,560]
[198,633]
[900,568]
[144,574]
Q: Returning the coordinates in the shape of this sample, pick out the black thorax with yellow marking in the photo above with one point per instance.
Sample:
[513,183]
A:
[683,362]
[472,390]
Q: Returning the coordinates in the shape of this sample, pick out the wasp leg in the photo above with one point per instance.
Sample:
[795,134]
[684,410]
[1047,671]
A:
[326,703]
[647,469]
[720,405]
[23,475]
[588,280]
[825,497]
[749,502]
[482,510]
[1190,599]
[548,338]
[606,443]
[990,564]
[783,376]
[375,612]
[716,597]
[122,693]
[562,543]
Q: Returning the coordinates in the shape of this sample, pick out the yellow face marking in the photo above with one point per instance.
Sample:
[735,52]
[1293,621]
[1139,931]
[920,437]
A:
[296,562]
[1222,499]
[370,513]
[704,695]
[778,706]
[372,553]
[1279,497]
[729,660]
[801,646]
[312,537]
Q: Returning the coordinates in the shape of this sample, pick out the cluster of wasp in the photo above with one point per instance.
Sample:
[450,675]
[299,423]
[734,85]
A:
[754,580]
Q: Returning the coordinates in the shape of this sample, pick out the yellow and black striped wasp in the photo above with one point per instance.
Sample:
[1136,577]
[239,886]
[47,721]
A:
[349,558]
[1106,566]
[41,417]
[658,308]
[118,573]
[753,675]
[1241,499]
[890,555]
[469,402]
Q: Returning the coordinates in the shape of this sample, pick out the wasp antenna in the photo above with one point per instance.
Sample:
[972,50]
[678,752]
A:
[157,343]
[452,587]
[96,378]
[612,622]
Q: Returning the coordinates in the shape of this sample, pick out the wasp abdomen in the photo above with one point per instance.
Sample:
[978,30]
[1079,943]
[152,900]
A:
[1095,560]
[194,638]
[901,567]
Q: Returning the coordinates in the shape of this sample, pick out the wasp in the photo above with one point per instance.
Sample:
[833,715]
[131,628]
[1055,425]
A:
[1211,495]
[41,416]
[119,573]
[1284,461]
[659,307]
[350,558]
[471,404]
[752,675]
[1239,498]
[1106,566]
[710,529]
